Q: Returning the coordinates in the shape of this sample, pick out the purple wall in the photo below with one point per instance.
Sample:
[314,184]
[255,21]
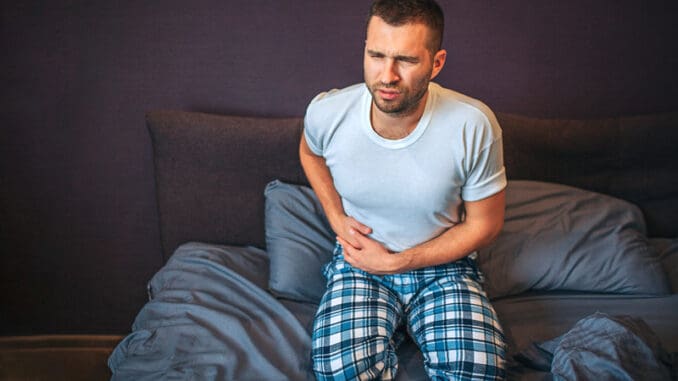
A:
[78,223]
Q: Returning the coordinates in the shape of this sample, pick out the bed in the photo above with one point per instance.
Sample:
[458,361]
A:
[590,233]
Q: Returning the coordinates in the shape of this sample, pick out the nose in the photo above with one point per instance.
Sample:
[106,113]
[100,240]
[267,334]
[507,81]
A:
[389,74]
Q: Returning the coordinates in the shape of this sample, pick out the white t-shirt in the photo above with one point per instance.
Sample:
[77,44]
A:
[412,189]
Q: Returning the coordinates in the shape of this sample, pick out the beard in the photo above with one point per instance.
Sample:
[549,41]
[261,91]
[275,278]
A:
[406,103]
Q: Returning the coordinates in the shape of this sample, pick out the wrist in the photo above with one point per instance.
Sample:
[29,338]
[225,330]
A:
[404,261]
[335,220]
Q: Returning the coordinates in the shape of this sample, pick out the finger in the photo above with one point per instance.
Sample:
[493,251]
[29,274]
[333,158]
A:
[342,242]
[346,245]
[363,241]
[364,229]
[360,238]
[348,250]
[360,227]
[350,238]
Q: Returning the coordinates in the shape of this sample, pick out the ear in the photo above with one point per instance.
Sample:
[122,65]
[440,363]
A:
[438,62]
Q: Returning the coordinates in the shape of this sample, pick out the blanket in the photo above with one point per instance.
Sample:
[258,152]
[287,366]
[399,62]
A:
[603,347]
[207,321]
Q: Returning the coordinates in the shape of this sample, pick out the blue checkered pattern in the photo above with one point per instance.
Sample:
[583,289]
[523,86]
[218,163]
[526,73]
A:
[443,308]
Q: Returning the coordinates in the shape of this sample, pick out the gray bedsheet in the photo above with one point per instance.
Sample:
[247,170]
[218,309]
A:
[601,346]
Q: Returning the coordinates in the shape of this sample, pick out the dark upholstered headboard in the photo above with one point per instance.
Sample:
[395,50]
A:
[632,158]
[211,170]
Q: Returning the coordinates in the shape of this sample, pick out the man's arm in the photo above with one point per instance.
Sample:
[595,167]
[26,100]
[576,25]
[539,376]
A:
[322,183]
[483,222]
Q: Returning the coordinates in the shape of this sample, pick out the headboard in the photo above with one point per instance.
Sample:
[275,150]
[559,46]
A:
[211,170]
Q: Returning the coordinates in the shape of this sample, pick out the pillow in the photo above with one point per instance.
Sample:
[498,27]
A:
[668,255]
[299,241]
[557,237]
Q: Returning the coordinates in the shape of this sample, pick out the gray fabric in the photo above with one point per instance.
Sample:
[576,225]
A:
[668,254]
[299,241]
[557,237]
[541,317]
[632,158]
[209,318]
[206,321]
[603,347]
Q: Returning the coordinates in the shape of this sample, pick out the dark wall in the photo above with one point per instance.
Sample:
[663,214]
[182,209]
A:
[78,224]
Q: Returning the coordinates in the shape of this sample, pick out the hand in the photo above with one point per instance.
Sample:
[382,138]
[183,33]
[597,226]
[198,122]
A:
[370,255]
[346,227]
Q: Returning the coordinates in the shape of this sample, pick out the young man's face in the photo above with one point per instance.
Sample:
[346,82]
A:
[398,65]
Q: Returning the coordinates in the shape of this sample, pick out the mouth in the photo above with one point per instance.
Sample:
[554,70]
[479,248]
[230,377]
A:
[388,94]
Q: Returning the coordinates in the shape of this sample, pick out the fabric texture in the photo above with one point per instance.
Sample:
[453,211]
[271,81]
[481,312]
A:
[208,317]
[557,237]
[299,241]
[210,171]
[407,190]
[603,347]
[443,308]
[668,253]
[632,158]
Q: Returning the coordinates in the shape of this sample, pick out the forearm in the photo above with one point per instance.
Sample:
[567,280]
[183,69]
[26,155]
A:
[483,222]
[481,227]
[454,244]
[320,178]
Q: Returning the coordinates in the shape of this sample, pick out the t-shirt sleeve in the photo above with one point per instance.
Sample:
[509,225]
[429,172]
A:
[314,126]
[487,175]
[311,140]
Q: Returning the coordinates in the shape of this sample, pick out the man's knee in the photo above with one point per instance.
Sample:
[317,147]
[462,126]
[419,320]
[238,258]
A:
[470,365]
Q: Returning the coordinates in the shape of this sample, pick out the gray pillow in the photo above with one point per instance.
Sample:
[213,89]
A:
[299,241]
[668,254]
[557,237]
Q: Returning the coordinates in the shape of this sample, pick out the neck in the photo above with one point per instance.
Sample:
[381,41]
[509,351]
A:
[397,125]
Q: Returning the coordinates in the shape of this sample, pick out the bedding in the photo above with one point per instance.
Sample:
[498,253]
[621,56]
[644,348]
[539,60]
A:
[668,255]
[210,318]
[555,237]
[601,346]
[591,231]
[209,313]
[299,241]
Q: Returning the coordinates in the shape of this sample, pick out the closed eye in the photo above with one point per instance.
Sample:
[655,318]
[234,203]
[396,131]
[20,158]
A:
[374,54]
[407,59]
[410,60]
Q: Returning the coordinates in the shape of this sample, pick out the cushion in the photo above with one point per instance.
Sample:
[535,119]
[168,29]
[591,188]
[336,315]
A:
[558,237]
[299,241]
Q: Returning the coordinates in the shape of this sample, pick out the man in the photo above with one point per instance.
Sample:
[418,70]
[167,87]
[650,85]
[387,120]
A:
[411,178]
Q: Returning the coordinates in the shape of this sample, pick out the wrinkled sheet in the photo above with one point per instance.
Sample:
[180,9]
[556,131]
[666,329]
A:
[206,321]
[601,346]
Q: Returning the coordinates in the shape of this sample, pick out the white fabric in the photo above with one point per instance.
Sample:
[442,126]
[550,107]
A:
[408,190]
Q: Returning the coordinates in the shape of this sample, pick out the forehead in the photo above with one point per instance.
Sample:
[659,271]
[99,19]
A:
[410,38]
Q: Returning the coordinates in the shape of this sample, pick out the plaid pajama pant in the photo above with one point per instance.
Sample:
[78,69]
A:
[443,308]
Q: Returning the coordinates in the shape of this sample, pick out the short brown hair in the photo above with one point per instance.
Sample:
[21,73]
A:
[400,12]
